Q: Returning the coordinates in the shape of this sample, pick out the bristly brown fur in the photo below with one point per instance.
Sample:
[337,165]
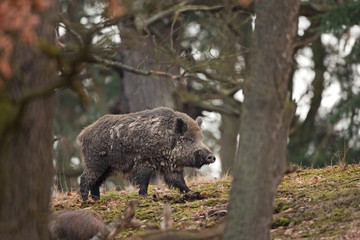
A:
[141,144]
[75,224]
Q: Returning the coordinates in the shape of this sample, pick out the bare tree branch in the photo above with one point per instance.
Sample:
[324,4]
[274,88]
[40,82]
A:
[131,69]
[306,40]
[307,9]
[181,7]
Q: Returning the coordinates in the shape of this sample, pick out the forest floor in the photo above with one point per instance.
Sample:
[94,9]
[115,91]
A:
[311,203]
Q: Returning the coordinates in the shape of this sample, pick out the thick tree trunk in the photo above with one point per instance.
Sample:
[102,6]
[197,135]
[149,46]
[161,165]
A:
[146,92]
[265,118]
[26,147]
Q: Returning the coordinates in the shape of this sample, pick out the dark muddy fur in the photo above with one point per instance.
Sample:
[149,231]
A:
[141,145]
[75,224]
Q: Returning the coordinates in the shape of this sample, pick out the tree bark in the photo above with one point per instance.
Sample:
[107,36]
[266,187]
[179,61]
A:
[229,129]
[230,124]
[304,134]
[146,92]
[26,145]
[266,114]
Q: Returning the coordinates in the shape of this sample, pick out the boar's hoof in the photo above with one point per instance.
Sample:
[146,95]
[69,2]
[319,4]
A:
[142,193]
[191,196]
[186,190]
[95,198]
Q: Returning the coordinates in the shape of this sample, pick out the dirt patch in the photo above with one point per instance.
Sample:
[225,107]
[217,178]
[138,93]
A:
[187,197]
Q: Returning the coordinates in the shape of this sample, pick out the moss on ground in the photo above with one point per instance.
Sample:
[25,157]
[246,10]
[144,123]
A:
[325,203]
[314,204]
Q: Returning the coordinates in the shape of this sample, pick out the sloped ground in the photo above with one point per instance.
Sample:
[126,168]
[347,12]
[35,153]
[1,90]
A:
[314,204]
[319,204]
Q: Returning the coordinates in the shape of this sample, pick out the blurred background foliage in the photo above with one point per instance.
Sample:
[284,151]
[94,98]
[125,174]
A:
[192,56]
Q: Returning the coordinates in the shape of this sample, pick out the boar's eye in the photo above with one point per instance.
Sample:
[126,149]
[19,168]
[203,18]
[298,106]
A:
[189,139]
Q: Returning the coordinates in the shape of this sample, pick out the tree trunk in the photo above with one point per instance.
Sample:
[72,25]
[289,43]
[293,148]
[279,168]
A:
[230,124]
[144,51]
[229,129]
[304,135]
[266,114]
[26,145]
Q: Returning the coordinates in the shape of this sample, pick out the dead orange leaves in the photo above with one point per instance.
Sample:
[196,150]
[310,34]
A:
[18,19]
[115,8]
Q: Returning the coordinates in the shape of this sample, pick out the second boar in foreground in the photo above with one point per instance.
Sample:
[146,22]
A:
[75,224]
[142,144]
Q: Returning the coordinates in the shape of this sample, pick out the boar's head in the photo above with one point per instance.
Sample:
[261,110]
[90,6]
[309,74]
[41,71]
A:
[189,150]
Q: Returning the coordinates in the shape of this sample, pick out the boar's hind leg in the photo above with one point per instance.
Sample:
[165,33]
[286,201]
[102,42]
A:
[95,187]
[176,179]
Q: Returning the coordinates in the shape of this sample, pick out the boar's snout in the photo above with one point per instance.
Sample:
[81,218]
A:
[210,158]
[203,157]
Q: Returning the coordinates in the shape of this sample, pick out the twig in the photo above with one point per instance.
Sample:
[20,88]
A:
[167,220]
[306,40]
[133,69]
[306,9]
[181,7]
[72,31]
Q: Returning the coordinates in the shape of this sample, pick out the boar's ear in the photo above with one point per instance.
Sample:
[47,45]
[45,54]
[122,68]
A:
[199,121]
[180,126]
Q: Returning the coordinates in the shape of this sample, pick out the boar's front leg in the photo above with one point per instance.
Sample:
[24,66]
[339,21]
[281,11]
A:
[95,188]
[84,187]
[91,180]
[176,179]
[141,175]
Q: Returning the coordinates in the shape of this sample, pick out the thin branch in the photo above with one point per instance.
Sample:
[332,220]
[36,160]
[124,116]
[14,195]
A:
[188,65]
[181,7]
[223,109]
[307,9]
[67,26]
[216,77]
[306,40]
[131,69]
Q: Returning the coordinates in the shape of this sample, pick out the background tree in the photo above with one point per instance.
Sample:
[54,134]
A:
[263,134]
[324,134]
[145,50]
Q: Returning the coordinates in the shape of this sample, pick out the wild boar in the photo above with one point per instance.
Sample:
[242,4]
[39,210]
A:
[141,145]
[75,224]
